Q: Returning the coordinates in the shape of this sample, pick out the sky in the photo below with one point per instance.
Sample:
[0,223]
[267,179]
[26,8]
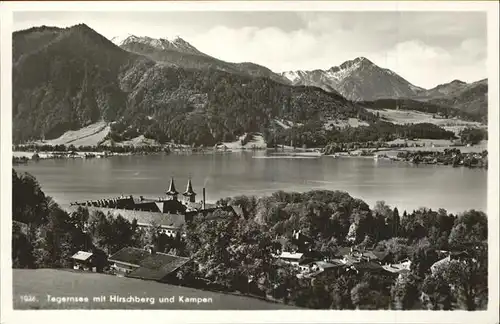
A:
[425,48]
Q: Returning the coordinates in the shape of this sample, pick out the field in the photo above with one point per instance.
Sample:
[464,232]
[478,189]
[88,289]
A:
[87,136]
[416,117]
[257,142]
[350,122]
[68,283]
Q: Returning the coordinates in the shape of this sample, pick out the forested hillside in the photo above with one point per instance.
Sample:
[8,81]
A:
[68,78]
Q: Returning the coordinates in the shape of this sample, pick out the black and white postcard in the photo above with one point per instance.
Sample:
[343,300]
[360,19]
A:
[265,161]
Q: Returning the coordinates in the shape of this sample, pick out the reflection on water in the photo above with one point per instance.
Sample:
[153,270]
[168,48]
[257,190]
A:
[399,184]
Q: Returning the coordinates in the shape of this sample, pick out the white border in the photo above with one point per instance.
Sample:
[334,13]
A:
[301,316]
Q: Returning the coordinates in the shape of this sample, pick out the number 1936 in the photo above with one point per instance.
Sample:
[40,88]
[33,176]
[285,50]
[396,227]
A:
[28,298]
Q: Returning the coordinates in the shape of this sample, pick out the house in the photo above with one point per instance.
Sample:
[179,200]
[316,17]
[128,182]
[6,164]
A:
[383,257]
[159,267]
[460,256]
[398,268]
[146,264]
[168,213]
[127,260]
[168,224]
[317,267]
[291,258]
[363,267]
[84,261]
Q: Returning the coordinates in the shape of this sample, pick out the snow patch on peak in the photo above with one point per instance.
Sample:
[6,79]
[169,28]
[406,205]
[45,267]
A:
[118,40]
[168,43]
[291,75]
[344,70]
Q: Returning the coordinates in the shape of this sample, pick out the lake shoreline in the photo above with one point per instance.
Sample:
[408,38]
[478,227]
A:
[400,184]
[23,157]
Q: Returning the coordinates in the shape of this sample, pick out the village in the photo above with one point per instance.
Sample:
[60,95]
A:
[171,215]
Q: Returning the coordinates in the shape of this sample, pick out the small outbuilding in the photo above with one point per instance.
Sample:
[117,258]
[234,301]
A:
[84,261]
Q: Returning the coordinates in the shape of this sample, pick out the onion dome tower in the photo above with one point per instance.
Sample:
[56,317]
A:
[172,193]
[189,194]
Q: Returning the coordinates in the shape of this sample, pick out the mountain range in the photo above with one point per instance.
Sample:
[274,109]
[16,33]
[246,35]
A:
[358,80]
[67,78]
[180,53]
[362,80]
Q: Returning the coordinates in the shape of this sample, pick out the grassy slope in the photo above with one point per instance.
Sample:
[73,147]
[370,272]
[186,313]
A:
[415,117]
[60,283]
[90,135]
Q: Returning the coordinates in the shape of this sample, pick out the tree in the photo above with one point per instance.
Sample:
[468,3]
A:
[57,240]
[404,292]
[29,203]
[397,248]
[150,236]
[365,297]
[329,248]
[458,236]
[470,228]
[436,293]
[101,231]
[396,222]
[80,218]
[422,258]
[208,240]
[468,279]
[122,233]
[22,250]
[340,287]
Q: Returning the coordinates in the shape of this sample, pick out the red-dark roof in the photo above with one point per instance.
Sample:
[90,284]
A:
[381,255]
[371,255]
[171,206]
[129,255]
[367,266]
[157,266]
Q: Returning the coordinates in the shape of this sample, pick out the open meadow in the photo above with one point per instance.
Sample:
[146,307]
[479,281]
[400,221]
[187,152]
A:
[68,283]
[402,117]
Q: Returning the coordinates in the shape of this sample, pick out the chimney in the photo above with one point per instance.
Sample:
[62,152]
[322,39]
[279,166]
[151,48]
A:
[204,202]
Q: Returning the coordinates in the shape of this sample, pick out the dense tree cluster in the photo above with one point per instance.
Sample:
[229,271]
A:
[473,135]
[334,219]
[447,157]
[43,234]
[206,107]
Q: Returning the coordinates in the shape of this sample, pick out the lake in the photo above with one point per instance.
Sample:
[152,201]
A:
[256,173]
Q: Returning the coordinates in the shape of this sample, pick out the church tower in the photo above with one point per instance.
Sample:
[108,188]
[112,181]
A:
[189,194]
[172,193]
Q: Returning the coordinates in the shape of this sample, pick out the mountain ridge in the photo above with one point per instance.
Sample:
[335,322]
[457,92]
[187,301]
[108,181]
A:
[66,79]
[358,80]
[181,53]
